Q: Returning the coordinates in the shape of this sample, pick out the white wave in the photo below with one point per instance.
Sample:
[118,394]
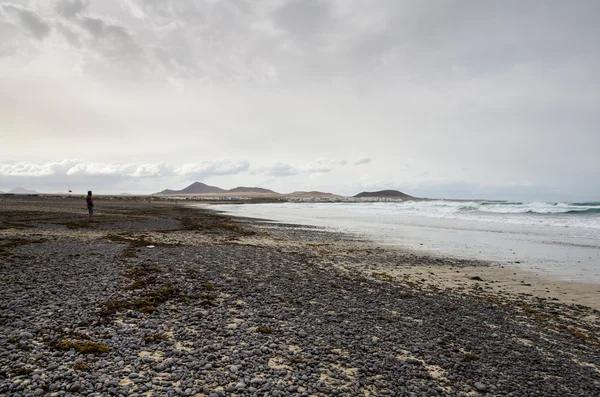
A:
[534,213]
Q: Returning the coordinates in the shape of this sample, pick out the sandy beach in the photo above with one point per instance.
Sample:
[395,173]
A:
[155,298]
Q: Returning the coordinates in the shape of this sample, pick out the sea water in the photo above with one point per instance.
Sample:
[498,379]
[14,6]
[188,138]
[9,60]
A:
[556,239]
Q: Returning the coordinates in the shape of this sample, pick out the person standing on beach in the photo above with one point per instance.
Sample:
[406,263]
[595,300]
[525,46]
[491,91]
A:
[90,205]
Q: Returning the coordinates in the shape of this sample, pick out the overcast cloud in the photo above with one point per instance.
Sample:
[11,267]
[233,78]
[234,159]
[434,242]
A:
[439,98]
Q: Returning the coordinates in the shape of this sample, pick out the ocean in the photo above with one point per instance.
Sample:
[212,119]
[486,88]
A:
[558,239]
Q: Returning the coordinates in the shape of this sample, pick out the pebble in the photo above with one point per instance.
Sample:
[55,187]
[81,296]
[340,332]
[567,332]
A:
[480,386]
[325,322]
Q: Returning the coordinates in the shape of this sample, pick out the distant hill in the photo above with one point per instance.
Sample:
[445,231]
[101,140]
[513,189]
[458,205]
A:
[385,194]
[21,190]
[195,188]
[200,188]
[301,194]
[244,189]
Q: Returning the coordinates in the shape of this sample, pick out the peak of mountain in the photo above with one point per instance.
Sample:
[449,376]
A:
[244,189]
[21,190]
[195,188]
[199,188]
[385,194]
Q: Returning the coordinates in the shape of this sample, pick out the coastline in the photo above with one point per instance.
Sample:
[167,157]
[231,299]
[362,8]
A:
[192,302]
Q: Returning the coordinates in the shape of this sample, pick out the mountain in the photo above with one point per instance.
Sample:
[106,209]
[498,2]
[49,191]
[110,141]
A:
[244,189]
[21,190]
[301,194]
[195,188]
[385,194]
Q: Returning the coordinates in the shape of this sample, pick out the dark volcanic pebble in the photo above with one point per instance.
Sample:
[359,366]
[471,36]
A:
[221,306]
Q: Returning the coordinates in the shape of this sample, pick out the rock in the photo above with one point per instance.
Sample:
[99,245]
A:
[133,375]
[480,386]
[413,361]
[38,392]
[75,387]
[240,385]
[25,335]
[234,368]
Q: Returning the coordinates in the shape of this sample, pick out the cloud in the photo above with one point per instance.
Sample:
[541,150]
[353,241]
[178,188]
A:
[76,168]
[26,18]
[71,8]
[319,166]
[362,160]
[201,170]
[278,170]
[25,169]
[322,166]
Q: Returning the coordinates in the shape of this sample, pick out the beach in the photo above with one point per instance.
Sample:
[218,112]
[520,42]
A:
[158,298]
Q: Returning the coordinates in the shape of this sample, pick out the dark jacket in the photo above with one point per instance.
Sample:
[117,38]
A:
[89,201]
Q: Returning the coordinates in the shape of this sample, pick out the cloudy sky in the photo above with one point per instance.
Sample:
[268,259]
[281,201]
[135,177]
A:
[495,99]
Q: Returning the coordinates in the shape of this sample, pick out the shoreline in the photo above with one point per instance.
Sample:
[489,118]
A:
[511,281]
[568,254]
[157,298]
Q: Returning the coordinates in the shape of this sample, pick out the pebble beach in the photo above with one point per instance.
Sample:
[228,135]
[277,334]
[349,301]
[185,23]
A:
[159,299]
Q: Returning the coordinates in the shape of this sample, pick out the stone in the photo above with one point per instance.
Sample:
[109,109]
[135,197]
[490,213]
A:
[240,385]
[480,386]
[413,361]
[75,387]
[25,335]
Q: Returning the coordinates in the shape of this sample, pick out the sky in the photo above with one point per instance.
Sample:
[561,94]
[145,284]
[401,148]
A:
[453,99]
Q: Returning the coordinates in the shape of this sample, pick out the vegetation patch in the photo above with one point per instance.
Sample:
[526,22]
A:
[141,271]
[155,338]
[81,366]
[133,241]
[77,224]
[12,339]
[215,224]
[383,276]
[578,334]
[471,357]
[22,371]
[8,244]
[143,283]
[207,299]
[146,303]
[86,347]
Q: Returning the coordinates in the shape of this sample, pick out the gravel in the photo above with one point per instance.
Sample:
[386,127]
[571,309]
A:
[221,307]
